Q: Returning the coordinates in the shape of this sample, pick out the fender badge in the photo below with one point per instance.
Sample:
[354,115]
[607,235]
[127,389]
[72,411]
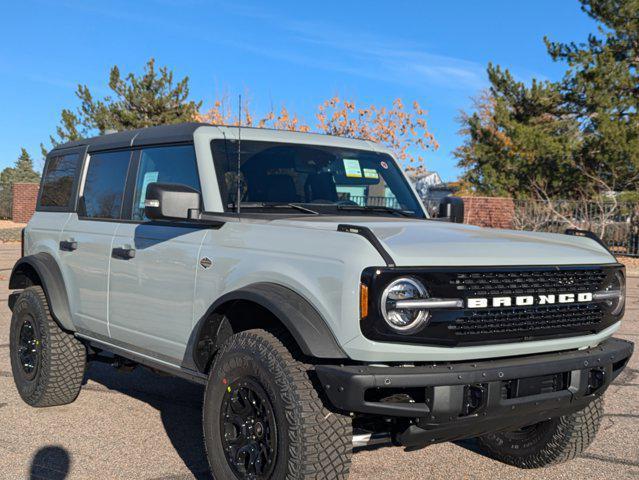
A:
[206,262]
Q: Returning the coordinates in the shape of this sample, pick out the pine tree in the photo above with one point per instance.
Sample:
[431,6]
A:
[601,88]
[579,135]
[21,172]
[152,98]
[518,139]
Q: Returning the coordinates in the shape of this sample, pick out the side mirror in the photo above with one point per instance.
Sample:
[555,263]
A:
[171,201]
[452,208]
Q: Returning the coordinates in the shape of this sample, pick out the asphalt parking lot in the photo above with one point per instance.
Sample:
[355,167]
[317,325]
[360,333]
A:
[143,426]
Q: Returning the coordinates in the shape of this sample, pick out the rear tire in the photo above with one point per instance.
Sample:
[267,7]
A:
[260,401]
[48,363]
[546,443]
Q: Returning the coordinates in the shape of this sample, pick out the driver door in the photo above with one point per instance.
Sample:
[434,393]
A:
[153,264]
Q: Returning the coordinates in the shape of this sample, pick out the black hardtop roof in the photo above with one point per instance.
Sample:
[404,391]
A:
[176,133]
[180,132]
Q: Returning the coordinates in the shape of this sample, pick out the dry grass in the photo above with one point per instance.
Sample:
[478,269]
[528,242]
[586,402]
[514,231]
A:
[631,263]
[10,231]
[10,224]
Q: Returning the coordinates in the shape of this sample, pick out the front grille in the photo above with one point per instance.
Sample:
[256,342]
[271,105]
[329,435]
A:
[476,326]
[532,320]
[496,283]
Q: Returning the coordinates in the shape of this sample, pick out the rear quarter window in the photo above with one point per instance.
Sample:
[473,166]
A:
[58,181]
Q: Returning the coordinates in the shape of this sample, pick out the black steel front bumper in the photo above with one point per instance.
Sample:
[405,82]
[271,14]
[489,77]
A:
[443,402]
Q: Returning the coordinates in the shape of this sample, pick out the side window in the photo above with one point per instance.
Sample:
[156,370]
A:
[104,185]
[59,177]
[175,164]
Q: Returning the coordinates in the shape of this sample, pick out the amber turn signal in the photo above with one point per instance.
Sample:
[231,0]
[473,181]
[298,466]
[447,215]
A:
[363,301]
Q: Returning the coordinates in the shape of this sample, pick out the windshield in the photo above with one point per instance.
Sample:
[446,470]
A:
[324,179]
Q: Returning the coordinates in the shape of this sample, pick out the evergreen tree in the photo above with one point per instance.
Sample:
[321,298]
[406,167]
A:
[601,88]
[518,139]
[152,98]
[576,136]
[21,172]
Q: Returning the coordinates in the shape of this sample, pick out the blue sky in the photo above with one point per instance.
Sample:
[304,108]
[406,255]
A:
[287,52]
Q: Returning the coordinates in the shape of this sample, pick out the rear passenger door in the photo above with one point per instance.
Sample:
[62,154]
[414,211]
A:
[152,277]
[86,239]
[56,200]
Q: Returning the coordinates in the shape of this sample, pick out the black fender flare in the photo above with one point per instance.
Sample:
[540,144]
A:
[52,282]
[300,318]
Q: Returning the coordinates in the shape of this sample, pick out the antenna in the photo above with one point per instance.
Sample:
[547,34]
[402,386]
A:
[238,198]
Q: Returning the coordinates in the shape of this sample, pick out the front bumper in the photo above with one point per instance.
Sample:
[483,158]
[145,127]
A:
[443,402]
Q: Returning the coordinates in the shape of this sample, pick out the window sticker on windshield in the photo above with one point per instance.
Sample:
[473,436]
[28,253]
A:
[149,177]
[384,165]
[352,168]
[370,173]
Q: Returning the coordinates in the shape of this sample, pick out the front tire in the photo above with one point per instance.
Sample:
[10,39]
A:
[263,417]
[546,443]
[48,363]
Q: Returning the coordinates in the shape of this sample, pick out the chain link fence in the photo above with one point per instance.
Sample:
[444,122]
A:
[616,223]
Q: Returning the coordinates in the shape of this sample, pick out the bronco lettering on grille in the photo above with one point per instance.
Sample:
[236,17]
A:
[526,300]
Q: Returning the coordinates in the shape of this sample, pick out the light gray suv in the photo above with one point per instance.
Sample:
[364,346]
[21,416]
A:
[300,279]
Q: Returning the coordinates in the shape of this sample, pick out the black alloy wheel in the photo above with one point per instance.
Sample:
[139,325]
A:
[263,417]
[47,362]
[29,348]
[249,430]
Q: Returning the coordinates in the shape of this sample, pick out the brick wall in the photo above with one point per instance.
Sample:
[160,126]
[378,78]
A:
[24,201]
[494,212]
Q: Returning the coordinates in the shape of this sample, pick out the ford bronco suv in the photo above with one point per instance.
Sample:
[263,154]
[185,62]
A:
[300,278]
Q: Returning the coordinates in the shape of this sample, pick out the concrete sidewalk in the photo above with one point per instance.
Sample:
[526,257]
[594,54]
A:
[144,426]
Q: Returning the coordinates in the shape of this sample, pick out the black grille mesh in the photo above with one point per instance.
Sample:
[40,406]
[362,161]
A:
[479,284]
[529,319]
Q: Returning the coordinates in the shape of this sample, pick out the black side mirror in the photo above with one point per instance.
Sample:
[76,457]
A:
[171,201]
[452,208]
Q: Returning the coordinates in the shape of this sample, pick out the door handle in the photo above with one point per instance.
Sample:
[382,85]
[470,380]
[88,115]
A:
[123,253]
[68,245]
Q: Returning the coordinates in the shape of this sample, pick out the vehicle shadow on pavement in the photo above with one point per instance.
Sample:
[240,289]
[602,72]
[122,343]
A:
[471,445]
[51,463]
[178,401]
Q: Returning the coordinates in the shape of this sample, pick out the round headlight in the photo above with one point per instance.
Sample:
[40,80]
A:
[618,286]
[405,321]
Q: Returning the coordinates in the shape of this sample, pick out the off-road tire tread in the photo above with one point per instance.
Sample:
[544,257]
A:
[572,436]
[320,446]
[63,361]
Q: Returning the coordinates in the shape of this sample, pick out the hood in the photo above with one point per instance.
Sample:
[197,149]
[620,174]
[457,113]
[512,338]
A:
[433,243]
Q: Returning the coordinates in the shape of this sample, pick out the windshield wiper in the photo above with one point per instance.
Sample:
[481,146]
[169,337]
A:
[275,205]
[374,208]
